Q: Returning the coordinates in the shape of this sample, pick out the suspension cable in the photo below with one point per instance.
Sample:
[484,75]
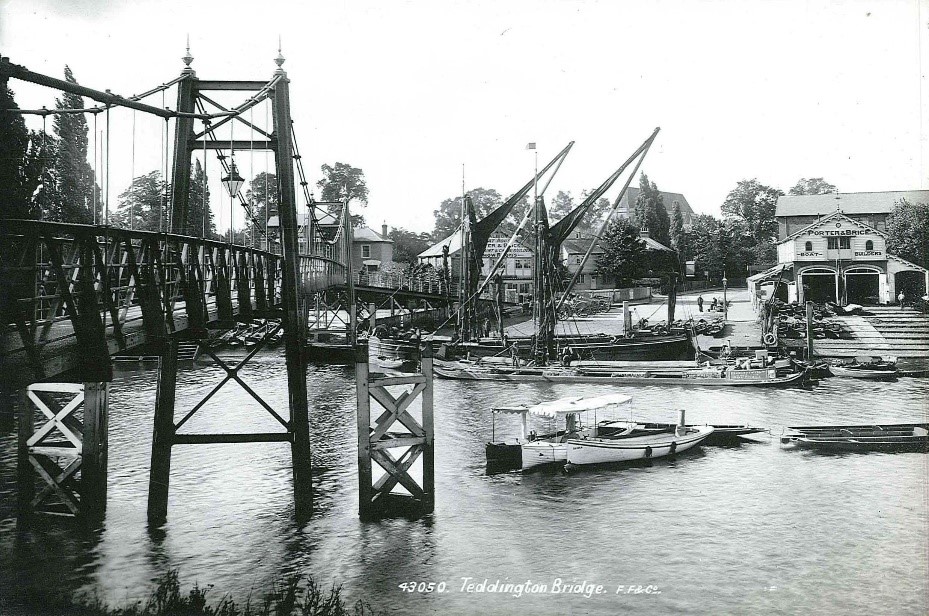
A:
[106,215]
[132,175]
[93,192]
[204,184]
[251,167]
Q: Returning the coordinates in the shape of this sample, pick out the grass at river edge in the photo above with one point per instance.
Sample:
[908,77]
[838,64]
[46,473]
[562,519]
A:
[292,596]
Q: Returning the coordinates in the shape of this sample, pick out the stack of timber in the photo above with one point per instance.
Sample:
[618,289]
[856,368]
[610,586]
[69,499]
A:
[883,330]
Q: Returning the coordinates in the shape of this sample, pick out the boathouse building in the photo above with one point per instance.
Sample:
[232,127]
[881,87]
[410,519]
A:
[833,248]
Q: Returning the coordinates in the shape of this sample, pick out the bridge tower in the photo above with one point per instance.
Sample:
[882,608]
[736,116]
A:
[293,302]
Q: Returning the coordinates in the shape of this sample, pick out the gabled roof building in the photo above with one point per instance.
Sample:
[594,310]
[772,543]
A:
[833,248]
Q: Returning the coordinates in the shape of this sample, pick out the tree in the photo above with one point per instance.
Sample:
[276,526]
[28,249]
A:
[335,180]
[678,235]
[78,199]
[908,232]
[812,186]
[754,203]
[142,205]
[21,156]
[408,244]
[650,213]
[448,216]
[624,254]
[263,199]
[560,206]
[594,217]
[199,213]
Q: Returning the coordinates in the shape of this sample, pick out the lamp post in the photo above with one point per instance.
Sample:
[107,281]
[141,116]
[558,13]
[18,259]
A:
[725,303]
[233,182]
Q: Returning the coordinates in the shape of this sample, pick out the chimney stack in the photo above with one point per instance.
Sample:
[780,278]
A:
[384,230]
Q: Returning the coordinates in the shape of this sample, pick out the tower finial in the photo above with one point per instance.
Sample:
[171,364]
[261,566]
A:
[279,60]
[187,57]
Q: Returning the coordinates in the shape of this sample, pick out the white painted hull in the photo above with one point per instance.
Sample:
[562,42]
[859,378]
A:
[539,453]
[604,450]
[862,373]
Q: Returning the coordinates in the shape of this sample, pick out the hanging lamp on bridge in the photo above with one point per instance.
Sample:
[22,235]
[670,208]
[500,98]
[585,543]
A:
[233,181]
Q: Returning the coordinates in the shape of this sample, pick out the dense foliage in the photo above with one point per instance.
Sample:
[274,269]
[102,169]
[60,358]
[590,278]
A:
[408,244]
[650,213]
[908,232]
[624,254]
[336,181]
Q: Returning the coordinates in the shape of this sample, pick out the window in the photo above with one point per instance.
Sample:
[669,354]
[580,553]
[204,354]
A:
[869,245]
[580,279]
[365,251]
[808,247]
[839,243]
[577,260]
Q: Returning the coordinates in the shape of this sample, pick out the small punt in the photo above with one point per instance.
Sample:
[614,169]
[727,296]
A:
[879,437]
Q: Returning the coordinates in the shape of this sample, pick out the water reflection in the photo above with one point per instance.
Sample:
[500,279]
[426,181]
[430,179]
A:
[725,524]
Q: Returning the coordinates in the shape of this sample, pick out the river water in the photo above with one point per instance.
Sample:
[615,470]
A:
[749,529]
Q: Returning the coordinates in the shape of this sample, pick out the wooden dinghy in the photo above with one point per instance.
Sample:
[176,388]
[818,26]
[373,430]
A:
[883,437]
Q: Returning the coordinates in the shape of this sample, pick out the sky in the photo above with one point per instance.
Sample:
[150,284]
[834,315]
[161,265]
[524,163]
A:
[418,93]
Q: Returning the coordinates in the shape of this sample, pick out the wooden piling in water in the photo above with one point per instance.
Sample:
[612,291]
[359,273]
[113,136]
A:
[25,484]
[379,442]
[94,455]
[163,434]
[809,330]
[81,445]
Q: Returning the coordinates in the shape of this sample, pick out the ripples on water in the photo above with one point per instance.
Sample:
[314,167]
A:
[749,529]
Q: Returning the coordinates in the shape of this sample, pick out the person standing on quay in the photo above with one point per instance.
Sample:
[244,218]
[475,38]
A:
[700,302]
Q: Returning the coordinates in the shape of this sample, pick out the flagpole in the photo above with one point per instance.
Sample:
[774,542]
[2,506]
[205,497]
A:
[462,259]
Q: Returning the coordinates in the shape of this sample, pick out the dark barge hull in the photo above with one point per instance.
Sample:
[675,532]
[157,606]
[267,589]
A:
[602,348]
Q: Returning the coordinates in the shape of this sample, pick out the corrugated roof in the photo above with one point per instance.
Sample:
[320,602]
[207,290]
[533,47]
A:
[848,203]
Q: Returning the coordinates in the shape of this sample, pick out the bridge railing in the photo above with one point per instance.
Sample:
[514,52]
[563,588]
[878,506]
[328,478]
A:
[406,282]
[318,273]
[59,280]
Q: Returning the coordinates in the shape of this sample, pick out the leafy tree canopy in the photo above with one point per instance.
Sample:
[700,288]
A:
[339,177]
[408,244]
[678,235]
[448,216]
[812,186]
[20,163]
[650,212]
[754,203]
[142,205]
[908,232]
[624,256]
[75,177]
[199,213]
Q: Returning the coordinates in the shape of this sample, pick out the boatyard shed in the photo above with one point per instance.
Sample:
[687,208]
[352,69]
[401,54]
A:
[839,256]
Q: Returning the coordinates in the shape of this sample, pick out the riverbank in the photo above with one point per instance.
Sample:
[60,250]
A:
[291,596]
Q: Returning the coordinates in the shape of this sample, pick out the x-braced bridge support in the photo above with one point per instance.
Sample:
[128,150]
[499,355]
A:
[296,426]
